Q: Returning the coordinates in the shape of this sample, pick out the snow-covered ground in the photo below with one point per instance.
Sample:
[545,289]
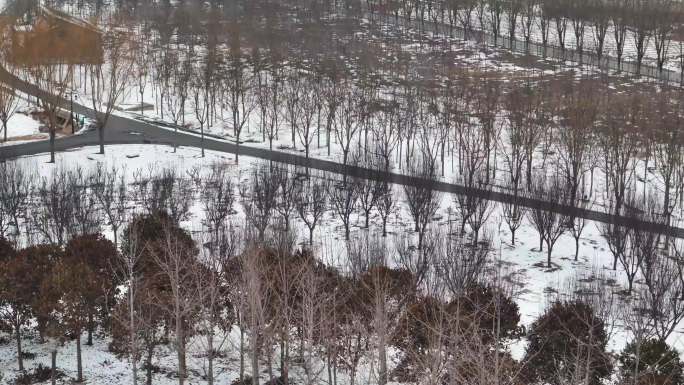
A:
[534,285]
[22,126]
[587,37]
[520,264]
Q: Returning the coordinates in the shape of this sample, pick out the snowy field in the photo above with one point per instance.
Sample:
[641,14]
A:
[521,264]
[22,127]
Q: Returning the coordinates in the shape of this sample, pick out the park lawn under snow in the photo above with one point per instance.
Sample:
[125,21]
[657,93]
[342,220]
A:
[22,127]
[534,286]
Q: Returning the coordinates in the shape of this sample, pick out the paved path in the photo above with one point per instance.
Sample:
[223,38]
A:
[124,130]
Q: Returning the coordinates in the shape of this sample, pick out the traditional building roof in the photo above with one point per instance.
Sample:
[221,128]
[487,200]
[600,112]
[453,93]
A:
[50,36]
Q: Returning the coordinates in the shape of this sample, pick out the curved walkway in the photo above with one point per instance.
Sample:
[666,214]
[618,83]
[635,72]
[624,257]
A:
[124,130]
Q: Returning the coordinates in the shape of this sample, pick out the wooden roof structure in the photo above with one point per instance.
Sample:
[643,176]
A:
[48,36]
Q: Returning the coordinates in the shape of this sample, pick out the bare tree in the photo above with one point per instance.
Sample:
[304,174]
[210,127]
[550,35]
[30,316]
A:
[578,12]
[292,93]
[306,115]
[513,9]
[51,80]
[176,263]
[238,85]
[217,198]
[8,106]
[386,134]
[343,199]
[513,213]
[111,190]
[638,322]
[215,314]
[164,191]
[370,193]
[620,19]
[518,104]
[312,203]
[110,79]
[642,247]
[423,200]
[384,292]
[287,195]
[255,290]
[386,205]
[86,216]
[580,108]
[179,83]
[480,212]
[126,269]
[544,21]
[140,49]
[642,28]
[594,311]
[332,97]
[461,264]
[619,145]
[347,120]
[665,16]
[600,23]
[550,224]
[312,312]
[274,93]
[54,214]
[487,102]
[16,187]
[669,154]
[259,199]
[665,305]
[201,98]
[577,224]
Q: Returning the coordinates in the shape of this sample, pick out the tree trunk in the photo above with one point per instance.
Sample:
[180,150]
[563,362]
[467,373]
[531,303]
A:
[382,370]
[541,243]
[329,369]
[79,361]
[202,139]
[17,333]
[53,371]
[242,353]
[181,358]
[101,136]
[148,364]
[91,326]
[210,357]
[52,145]
[255,356]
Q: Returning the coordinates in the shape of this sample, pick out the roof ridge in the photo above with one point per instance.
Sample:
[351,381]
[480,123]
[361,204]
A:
[68,18]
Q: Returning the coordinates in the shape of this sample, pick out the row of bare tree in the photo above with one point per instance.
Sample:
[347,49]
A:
[648,25]
[305,320]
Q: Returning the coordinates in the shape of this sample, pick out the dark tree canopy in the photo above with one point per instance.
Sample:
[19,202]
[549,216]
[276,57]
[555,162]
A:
[566,334]
[657,363]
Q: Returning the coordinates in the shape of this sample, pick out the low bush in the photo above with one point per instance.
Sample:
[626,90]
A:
[657,363]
